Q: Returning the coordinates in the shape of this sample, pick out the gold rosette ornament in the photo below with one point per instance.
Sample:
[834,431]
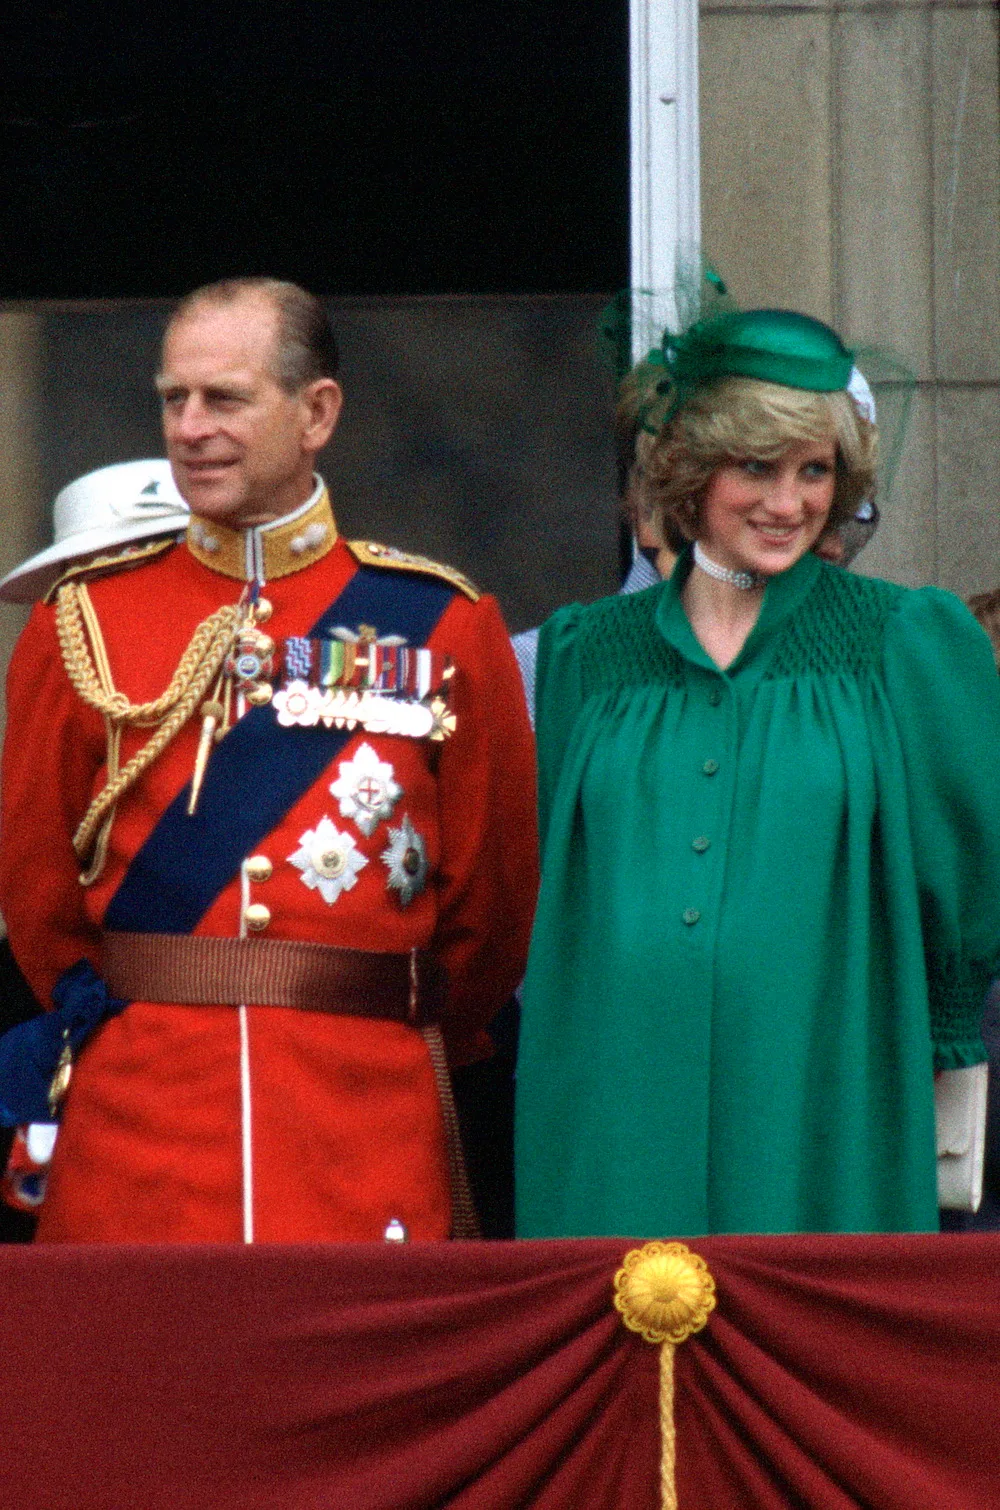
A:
[665,1293]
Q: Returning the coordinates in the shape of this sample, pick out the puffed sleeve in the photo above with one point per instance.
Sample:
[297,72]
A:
[53,748]
[942,684]
[488,874]
[558,697]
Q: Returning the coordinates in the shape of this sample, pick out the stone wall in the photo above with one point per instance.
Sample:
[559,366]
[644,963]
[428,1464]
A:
[851,167]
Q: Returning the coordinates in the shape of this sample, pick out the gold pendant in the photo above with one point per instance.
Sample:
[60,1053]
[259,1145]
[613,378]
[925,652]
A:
[211,716]
[59,1084]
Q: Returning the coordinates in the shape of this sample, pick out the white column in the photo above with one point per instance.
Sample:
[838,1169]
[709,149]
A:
[665,184]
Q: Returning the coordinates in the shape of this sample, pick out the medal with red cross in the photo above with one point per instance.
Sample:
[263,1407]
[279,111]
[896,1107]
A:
[366,789]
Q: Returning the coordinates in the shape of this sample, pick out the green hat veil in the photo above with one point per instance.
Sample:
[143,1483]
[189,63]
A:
[715,340]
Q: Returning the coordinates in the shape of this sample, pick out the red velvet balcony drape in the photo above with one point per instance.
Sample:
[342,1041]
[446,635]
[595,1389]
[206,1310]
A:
[835,1372]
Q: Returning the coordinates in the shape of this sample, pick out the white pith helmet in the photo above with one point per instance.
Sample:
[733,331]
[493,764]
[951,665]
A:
[132,500]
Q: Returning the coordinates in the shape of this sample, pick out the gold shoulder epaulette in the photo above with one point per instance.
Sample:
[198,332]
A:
[110,561]
[370,553]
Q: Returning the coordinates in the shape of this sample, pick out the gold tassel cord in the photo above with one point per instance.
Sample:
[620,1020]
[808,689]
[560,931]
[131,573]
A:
[665,1293]
[113,734]
[668,1430]
[88,669]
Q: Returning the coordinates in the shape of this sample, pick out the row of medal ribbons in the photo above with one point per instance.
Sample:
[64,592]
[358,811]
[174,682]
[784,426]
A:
[400,670]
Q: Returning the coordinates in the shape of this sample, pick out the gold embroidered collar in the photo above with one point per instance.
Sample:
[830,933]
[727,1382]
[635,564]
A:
[266,551]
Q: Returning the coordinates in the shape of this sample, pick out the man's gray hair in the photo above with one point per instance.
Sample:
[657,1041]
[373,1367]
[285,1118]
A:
[306,348]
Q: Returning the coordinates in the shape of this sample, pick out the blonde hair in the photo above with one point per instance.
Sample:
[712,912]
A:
[740,418]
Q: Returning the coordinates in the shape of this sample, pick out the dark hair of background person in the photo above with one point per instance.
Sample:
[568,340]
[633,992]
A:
[986,607]
[306,347]
[629,417]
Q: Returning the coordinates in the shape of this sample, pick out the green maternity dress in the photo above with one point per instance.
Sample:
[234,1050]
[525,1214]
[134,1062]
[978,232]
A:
[770,906]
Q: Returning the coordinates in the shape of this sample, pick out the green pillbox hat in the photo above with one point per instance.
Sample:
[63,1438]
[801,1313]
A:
[771,345]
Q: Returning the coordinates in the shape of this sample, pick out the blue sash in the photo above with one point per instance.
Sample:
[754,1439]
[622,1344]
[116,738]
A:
[257,773]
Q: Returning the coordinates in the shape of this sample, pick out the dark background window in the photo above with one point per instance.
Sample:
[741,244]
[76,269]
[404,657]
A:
[452,177]
[358,149]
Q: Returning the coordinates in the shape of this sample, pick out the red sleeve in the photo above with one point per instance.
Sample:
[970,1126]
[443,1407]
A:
[488,876]
[53,748]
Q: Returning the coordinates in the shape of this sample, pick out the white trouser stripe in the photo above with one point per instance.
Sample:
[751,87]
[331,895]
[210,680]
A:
[246,1125]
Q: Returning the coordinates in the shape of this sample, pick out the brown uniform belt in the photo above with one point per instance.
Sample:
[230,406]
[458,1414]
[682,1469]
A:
[196,971]
[186,968]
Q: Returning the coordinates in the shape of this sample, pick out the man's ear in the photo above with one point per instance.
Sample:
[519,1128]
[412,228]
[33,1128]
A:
[323,400]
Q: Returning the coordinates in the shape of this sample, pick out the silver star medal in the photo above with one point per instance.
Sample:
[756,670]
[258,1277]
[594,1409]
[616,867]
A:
[406,857]
[329,860]
[366,790]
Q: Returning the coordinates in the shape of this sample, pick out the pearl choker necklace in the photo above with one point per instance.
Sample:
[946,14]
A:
[744,580]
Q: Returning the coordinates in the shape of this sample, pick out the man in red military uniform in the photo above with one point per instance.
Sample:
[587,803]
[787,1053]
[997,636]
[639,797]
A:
[292,891]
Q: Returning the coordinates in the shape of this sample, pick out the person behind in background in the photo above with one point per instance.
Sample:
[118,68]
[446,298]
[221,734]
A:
[119,512]
[770,827]
[986,607]
[294,776]
[114,516]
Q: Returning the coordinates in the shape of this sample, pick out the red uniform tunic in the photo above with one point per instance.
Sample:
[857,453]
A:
[210,1123]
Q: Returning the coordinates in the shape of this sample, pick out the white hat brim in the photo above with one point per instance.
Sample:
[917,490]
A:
[33,578]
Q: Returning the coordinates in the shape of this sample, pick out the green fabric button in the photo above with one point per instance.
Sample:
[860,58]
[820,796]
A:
[690,916]
[710,767]
[700,844]
[715,697]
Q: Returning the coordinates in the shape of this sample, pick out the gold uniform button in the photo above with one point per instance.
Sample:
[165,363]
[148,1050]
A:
[263,610]
[690,916]
[259,868]
[700,844]
[257,917]
[710,767]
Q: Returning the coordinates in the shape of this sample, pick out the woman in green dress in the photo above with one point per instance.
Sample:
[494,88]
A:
[770,815]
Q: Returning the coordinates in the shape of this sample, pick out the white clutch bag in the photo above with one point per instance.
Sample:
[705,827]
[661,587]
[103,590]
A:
[960,1108]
